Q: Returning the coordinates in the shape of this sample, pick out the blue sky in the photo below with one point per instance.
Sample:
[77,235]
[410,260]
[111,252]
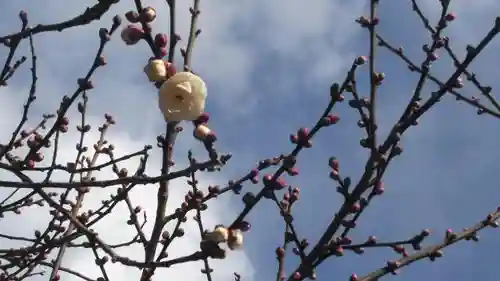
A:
[268,67]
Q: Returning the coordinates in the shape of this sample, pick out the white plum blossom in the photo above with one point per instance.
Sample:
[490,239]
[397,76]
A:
[182,97]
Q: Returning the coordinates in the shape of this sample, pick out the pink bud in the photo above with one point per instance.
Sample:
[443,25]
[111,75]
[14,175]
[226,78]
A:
[334,119]
[333,163]
[433,56]
[132,34]
[267,178]
[280,184]
[372,240]
[132,16]
[170,69]
[163,52]
[303,133]
[202,119]
[355,208]
[161,40]
[334,175]
[280,252]
[286,196]
[346,240]
[379,188]
[293,171]
[361,60]
[339,251]
[201,132]
[450,17]
[253,173]
[393,265]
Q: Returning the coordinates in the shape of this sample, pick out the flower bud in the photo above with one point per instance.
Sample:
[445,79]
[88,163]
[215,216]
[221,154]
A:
[450,17]
[156,70]
[132,34]
[161,40]
[132,16]
[201,132]
[170,69]
[235,239]
[148,14]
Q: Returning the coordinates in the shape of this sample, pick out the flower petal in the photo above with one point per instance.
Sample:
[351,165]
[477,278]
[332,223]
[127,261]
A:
[184,86]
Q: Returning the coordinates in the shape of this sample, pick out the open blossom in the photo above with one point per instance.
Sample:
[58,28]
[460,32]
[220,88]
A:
[156,70]
[220,234]
[182,97]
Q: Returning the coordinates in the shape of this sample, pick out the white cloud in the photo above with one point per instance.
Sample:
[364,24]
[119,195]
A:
[228,52]
[234,38]
[113,229]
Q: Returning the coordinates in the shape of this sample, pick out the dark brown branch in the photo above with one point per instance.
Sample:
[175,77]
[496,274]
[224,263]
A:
[91,14]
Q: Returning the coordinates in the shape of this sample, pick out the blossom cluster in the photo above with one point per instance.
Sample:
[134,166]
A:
[182,95]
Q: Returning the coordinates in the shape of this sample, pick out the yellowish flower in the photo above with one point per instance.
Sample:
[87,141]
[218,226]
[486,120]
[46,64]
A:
[235,239]
[156,70]
[220,234]
[182,97]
